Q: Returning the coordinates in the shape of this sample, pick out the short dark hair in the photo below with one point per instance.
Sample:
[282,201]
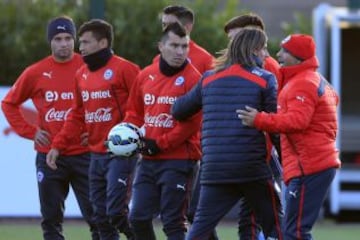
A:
[175,28]
[184,14]
[245,20]
[99,28]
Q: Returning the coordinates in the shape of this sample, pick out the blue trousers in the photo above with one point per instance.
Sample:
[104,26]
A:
[195,194]
[54,187]
[217,199]
[161,186]
[110,189]
[304,197]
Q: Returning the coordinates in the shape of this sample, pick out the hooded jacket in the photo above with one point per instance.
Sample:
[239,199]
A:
[307,120]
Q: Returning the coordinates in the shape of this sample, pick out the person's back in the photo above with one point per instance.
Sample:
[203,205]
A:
[222,93]
[234,156]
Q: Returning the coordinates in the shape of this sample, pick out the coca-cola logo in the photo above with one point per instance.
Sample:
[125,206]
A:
[54,115]
[163,120]
[100,115]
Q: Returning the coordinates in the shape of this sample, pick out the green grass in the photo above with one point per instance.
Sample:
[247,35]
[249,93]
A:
[76,230]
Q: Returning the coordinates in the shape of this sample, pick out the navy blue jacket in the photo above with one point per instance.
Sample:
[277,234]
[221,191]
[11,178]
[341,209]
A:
[232,152]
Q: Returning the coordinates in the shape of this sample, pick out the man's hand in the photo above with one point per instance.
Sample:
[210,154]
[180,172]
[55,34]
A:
[247,115]
[51,158]
[42,138]
[149,147]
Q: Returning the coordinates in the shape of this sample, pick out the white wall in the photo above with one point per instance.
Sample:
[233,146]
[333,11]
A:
[18,186]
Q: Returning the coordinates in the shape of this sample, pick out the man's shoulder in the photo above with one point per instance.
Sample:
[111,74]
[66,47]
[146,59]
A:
[40,66]
[194,48]
[123,61]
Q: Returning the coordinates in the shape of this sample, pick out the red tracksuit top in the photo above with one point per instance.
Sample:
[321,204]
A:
[198,56]
[271,65]
[150,102]
[50,86]
[100,101]
[306,119]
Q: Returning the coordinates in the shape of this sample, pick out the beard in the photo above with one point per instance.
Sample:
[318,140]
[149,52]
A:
[63,54]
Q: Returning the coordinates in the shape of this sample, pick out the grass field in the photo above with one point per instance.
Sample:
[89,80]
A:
[76,230]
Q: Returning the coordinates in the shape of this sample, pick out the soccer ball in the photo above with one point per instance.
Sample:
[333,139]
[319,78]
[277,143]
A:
[124,139]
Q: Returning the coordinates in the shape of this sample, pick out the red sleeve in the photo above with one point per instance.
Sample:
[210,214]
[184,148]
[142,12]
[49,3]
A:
[19,93]
[74,124]
[129,73]
[136,104]
[180,133]
[300,106]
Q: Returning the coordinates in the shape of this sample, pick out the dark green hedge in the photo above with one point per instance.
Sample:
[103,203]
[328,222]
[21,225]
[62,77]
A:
[136,25]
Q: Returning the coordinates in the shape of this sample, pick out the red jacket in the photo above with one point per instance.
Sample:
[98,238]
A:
[100,101]
[198,56]
[50,86]
[150,102]
[307,119]
[273,66]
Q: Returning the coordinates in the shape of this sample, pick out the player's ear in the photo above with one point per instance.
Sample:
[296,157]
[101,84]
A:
[160,45]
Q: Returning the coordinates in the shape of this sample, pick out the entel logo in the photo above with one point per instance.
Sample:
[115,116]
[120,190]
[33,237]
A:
[51,96]
[149,99]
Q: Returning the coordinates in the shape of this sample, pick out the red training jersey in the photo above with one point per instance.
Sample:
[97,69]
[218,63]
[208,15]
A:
[50,86]
[100,101]
[151,99]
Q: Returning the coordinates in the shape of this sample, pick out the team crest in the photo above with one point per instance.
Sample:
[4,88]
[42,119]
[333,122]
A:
[40,176]
[108,74]
[179,81]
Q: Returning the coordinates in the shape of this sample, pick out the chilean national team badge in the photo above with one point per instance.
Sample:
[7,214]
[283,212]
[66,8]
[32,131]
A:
[179,81]
[40,176]
[108,74]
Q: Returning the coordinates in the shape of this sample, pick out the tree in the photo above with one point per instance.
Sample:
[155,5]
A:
[136,26]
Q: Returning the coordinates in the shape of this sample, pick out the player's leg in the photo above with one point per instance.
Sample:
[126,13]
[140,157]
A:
[215,201]
[175,181]
[304,199]
[98,184]
[264,200]
[53,188]
[194,199]
[144,200]
[249,229]
[119,182]
[79,177]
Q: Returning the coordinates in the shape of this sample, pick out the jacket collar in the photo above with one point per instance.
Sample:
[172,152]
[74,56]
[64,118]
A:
[290,71]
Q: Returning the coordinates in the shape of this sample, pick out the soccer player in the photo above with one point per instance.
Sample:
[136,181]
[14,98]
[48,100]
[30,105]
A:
[307,121]
[234,156]
[100,99]
[171,149]
[49,83]
[202,61]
